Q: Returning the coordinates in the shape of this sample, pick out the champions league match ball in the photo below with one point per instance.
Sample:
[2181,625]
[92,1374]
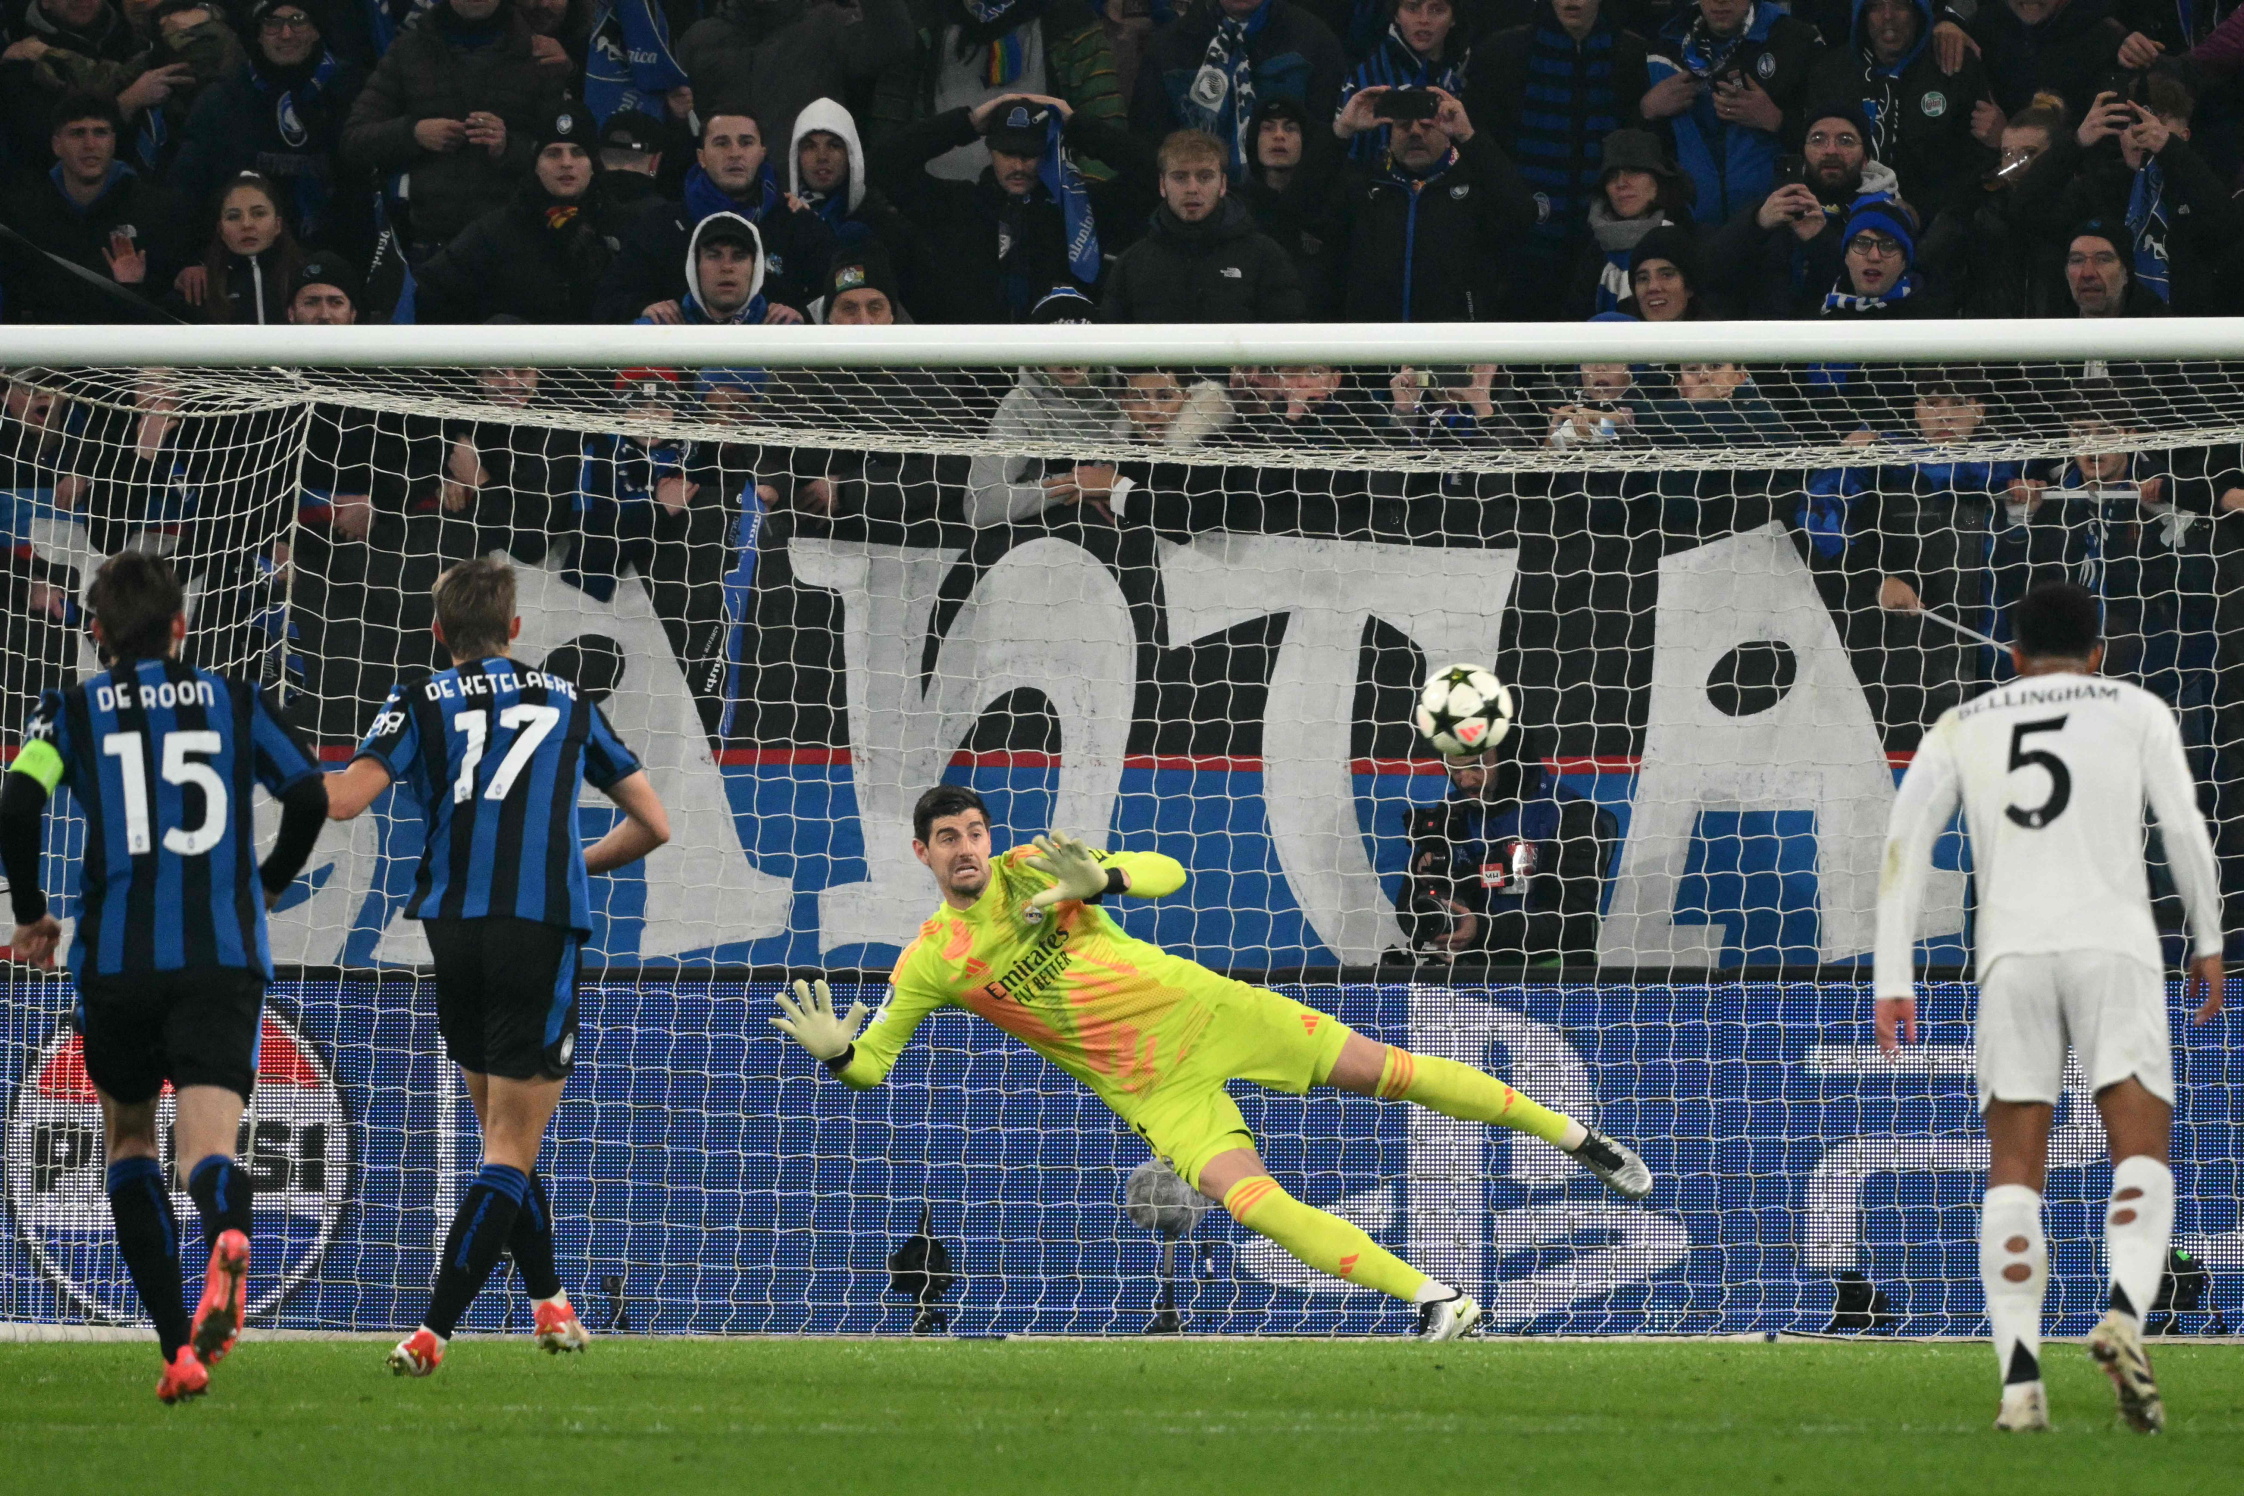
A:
[1463,710]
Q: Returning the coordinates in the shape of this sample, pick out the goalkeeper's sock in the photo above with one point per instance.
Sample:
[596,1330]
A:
[220,1190]
[2014,1272]
[480,1229]
[532,1241]
[2137,1231]
[148,1240]
[1472,1095]
[1320,1239]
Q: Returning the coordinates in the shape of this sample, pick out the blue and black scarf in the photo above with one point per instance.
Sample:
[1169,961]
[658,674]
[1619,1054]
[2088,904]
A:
[2147,229]
[629,64]
[1228,115]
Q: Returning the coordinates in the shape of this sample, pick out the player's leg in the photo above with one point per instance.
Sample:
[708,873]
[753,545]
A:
[516,1028]
[1195,1125]
[122,1028]
[2019,1055]
[531,1245]
[2014,1255]
[2117,1012]
[1369,1068]
[211,1036]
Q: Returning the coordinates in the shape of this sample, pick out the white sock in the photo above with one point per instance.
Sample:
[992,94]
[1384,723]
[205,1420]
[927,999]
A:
[2137,1229]
[1433,1290]
[561,1297]
[2014,1271]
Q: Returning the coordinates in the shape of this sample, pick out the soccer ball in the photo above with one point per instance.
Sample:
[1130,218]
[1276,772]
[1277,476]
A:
[1463,711]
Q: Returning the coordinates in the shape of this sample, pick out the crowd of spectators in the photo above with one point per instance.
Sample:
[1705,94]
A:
[1232,161]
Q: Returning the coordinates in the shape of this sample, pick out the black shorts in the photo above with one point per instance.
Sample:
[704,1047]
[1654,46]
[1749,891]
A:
[192,1028]
[506,995]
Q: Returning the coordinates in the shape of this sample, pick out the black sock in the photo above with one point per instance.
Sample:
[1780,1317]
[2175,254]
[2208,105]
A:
[148,1238]
[220,1190]
[479,1233]
[532,1242]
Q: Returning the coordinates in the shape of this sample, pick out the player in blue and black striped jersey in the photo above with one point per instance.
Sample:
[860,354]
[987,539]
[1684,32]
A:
[497,754]
[161,759]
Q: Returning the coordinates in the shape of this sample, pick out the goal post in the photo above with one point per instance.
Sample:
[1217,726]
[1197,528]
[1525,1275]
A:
[1176,589]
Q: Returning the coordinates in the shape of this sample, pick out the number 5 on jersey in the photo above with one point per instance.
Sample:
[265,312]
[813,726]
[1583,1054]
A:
[2060,777]
[531,722]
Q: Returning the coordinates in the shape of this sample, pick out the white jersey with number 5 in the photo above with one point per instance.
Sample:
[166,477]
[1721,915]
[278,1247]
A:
[2053,772]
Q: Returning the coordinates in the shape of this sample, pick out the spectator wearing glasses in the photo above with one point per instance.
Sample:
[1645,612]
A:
[1783,248]
[1878,279]
[282,117]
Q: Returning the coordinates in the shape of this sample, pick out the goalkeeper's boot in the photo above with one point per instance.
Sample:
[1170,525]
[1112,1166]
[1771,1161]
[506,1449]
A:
[183,1377]
[417,1354]
[558,1328]
[2117,1345]
[218,1318]
[1615,1163]
[1449,1318]
[2025,1409]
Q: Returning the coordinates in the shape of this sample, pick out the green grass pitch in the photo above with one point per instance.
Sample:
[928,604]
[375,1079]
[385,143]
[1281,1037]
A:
[1280,1417]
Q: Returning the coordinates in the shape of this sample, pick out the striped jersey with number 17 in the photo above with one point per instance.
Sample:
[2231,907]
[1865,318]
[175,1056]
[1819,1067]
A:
[497,754]
[161,758]
[2054,773]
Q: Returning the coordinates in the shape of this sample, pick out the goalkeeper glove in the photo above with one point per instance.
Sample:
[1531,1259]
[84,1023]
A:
[812,1022]
[1075,870]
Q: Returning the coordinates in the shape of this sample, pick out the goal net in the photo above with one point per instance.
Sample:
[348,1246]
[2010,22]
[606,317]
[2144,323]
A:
[1173,590]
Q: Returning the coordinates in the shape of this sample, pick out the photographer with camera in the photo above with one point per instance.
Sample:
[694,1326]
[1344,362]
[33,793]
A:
[1426,234]
[1510,867]
[1779,247]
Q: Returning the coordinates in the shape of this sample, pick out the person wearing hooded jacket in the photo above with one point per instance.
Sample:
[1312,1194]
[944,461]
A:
[1052,404]
[542,256]
[1920,118]
[732,174]
[1202,260]
[826,174]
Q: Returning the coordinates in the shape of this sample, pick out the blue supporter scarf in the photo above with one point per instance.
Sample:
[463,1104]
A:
[2147,227]
[1703,53]
[1224,106]
[1392,64]
[1060,178]
[311,193]
[629,64]
[704,197]
[1836,300]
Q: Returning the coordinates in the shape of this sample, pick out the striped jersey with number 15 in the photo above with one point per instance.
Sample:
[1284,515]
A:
[497,753]
[161,758]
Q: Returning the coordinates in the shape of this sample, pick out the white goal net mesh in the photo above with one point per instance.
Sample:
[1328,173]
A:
[1185,610]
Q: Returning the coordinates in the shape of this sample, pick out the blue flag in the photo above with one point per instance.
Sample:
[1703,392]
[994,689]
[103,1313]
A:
[629,65]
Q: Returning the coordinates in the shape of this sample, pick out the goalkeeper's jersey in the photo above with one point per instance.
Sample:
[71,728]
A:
[1117,1013]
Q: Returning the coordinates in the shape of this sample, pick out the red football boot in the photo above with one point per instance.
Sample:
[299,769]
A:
[183,1378]
[218,1318]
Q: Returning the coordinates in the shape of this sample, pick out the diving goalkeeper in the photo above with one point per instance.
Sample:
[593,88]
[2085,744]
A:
[1021,940]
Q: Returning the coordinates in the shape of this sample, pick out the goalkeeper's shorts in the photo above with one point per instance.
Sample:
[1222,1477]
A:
[1255,1035]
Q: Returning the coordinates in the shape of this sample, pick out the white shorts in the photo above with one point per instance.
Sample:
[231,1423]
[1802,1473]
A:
[2112,1010]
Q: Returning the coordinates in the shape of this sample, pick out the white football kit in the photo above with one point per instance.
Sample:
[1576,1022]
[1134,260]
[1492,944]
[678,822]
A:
[2053,772]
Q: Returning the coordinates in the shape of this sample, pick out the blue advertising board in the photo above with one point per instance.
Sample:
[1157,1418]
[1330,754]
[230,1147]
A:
[709,1179]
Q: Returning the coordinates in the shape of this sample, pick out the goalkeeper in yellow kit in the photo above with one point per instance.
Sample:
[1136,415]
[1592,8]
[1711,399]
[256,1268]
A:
[1021,940]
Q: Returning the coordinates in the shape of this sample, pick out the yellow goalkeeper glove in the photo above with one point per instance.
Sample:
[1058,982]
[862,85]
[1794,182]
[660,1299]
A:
[810,1020]
[1075,870]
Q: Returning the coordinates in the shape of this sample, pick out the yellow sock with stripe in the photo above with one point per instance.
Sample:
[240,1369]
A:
[1321,1239]
[1469,1095]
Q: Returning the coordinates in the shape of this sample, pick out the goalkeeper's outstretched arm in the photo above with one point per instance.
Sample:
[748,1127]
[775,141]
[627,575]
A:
[859,1061]
[1078,872]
